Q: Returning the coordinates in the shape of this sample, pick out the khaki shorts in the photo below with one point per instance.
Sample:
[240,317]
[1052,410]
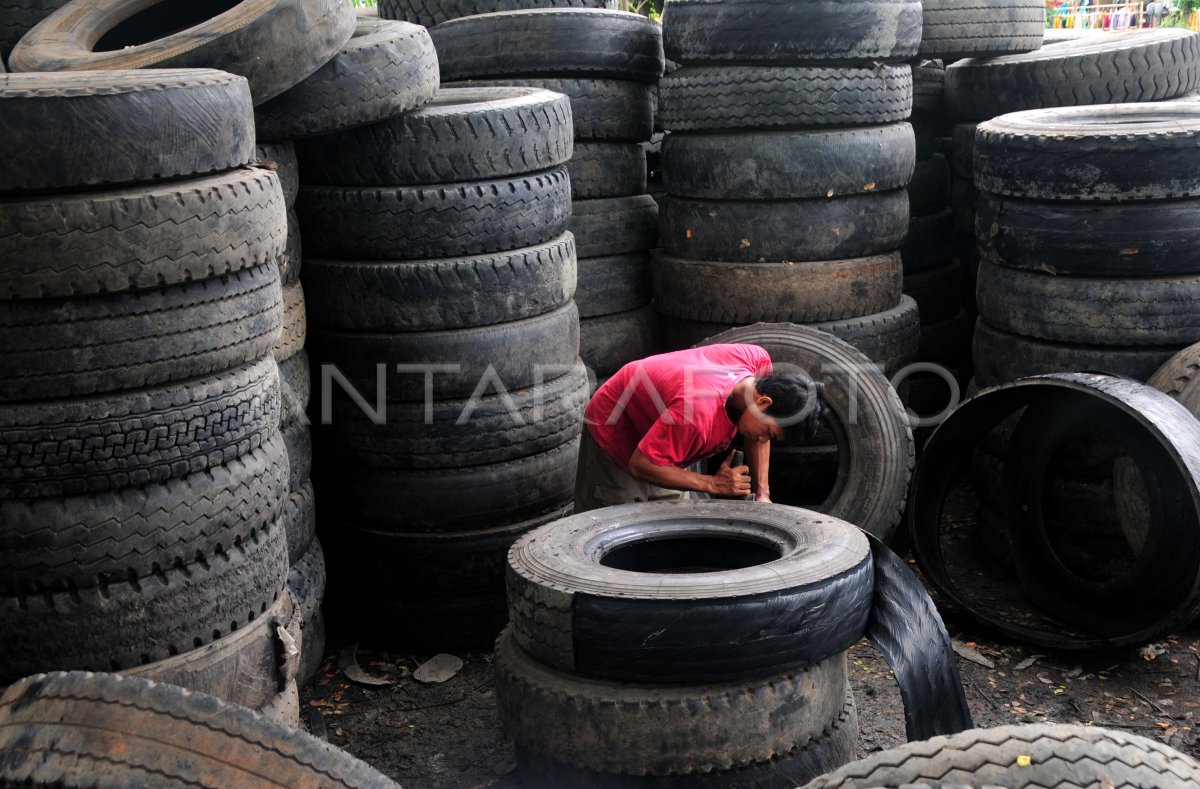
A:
[600,482]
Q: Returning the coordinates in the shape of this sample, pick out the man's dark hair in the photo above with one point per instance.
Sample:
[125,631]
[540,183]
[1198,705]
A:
[795,402]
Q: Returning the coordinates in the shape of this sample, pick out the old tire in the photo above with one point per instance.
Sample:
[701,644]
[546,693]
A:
[616,283]
[614,225]
[964,28]
[609,342]
[607,169]
[433,12]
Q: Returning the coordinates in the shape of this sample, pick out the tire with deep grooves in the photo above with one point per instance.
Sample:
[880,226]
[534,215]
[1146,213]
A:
[615,283]
[968,28]
[614,225]
[433,12]
[607,169]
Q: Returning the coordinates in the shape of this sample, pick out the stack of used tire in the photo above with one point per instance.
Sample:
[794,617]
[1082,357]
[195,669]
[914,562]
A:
[1118,67]
[440,270]
[18,17]
[142,473]
[434,12]
[786,164]
[386,69]
[608,63]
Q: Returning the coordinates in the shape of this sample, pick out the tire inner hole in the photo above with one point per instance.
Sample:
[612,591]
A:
[683,555]
[161,20]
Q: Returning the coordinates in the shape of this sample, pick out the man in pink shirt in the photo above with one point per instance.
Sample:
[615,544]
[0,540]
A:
[658,415]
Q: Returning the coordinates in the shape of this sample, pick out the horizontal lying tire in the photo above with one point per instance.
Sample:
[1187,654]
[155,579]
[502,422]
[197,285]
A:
[607,169]
[929,189]
[929,83]
[1001,357]
[249,666]
[784,230]
[601,109]
[711,98]
[57,544]
[602,595]
[585,42]
[948,341]
[166,730]
[1179,377]
[809,292]
[433,12]
[139,620]
[769,31]
[298,441]
[768,165]
[299,520]
[1135,239]
[280,158]
[1134,152]
[1127,66]
[963,199]
[962,146]
[1150,311]
[616,283]
[1089,754]
[614,225]
[489,428]
[609,342]
[199,122]
[140,237]
[416,222]
[306,582]
[518,352]
[433,500]
[19,17]
[295,384]
[447,293]
[463,134]
[292,259]
[385,69]
[294,332]
[664,730]
[131,439]
[301,35]
[937,292]
[929,243]
[965,28]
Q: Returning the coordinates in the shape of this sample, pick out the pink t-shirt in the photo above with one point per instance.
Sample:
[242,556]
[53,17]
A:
[672,406]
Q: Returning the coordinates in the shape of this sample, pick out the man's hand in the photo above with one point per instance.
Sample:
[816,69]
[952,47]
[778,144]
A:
[731,480]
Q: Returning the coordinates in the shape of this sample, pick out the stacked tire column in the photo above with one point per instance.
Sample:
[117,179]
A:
[608,63]
[386,68]
[440,273]
[142,473]
[786,176]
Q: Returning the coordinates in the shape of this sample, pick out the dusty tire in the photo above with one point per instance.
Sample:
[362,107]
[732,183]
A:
[295,385]
[165,730]
[609,342]
[18,17]
[712,98]
[463,134]
[929,189]
[196,122]
[929,243]
[433,12]
[607,169]
[617,283]
[301,36]
[937,292]
[306,582]
[294,332]
[614,225]
[965,28]
[385,69]
[280,158]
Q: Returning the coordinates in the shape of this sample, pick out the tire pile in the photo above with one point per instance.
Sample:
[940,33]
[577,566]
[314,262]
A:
[440,273]
[432,12]
[18,17]
[786,172]
[143,475]
[608,63]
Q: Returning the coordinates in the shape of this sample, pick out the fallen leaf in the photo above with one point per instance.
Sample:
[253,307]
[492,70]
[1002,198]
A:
[438,668]
[970,653]
[745,242]
[348,663]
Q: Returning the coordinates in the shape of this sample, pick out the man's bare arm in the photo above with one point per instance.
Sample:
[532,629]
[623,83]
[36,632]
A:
[728,481]
[758,460]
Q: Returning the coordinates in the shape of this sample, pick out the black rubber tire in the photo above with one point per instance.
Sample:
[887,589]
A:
[1179,377]
[295,385]
[280,158]
[609,342]
[1150,311]
[929,243]
[713,98]
[301,35]
[607,169]
[516,351]
[299,520]
[929,86]
[876,440]
[962,144]
[617,283]
[1001,357]
[433,12]
[947,342]
[489,428]
[194,123]
[604,601]
[937,292]
[463,134]
[306,582]
[567,42]
[434,295]
[1057,754]
[929,189]
[601,109]
[1126,66]
[614,225]
[1123,240]
[784,230]
[139,238]
[967,28]
[385,69]
[809,292]
[452,220]
[664,730]
[138,620]
[131,439]
[165,731]
[789,164]
[295,323]
[299,449]
[292,259]
[18,17]
[963,198]
[433,500]
[770,31]
[57,544]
